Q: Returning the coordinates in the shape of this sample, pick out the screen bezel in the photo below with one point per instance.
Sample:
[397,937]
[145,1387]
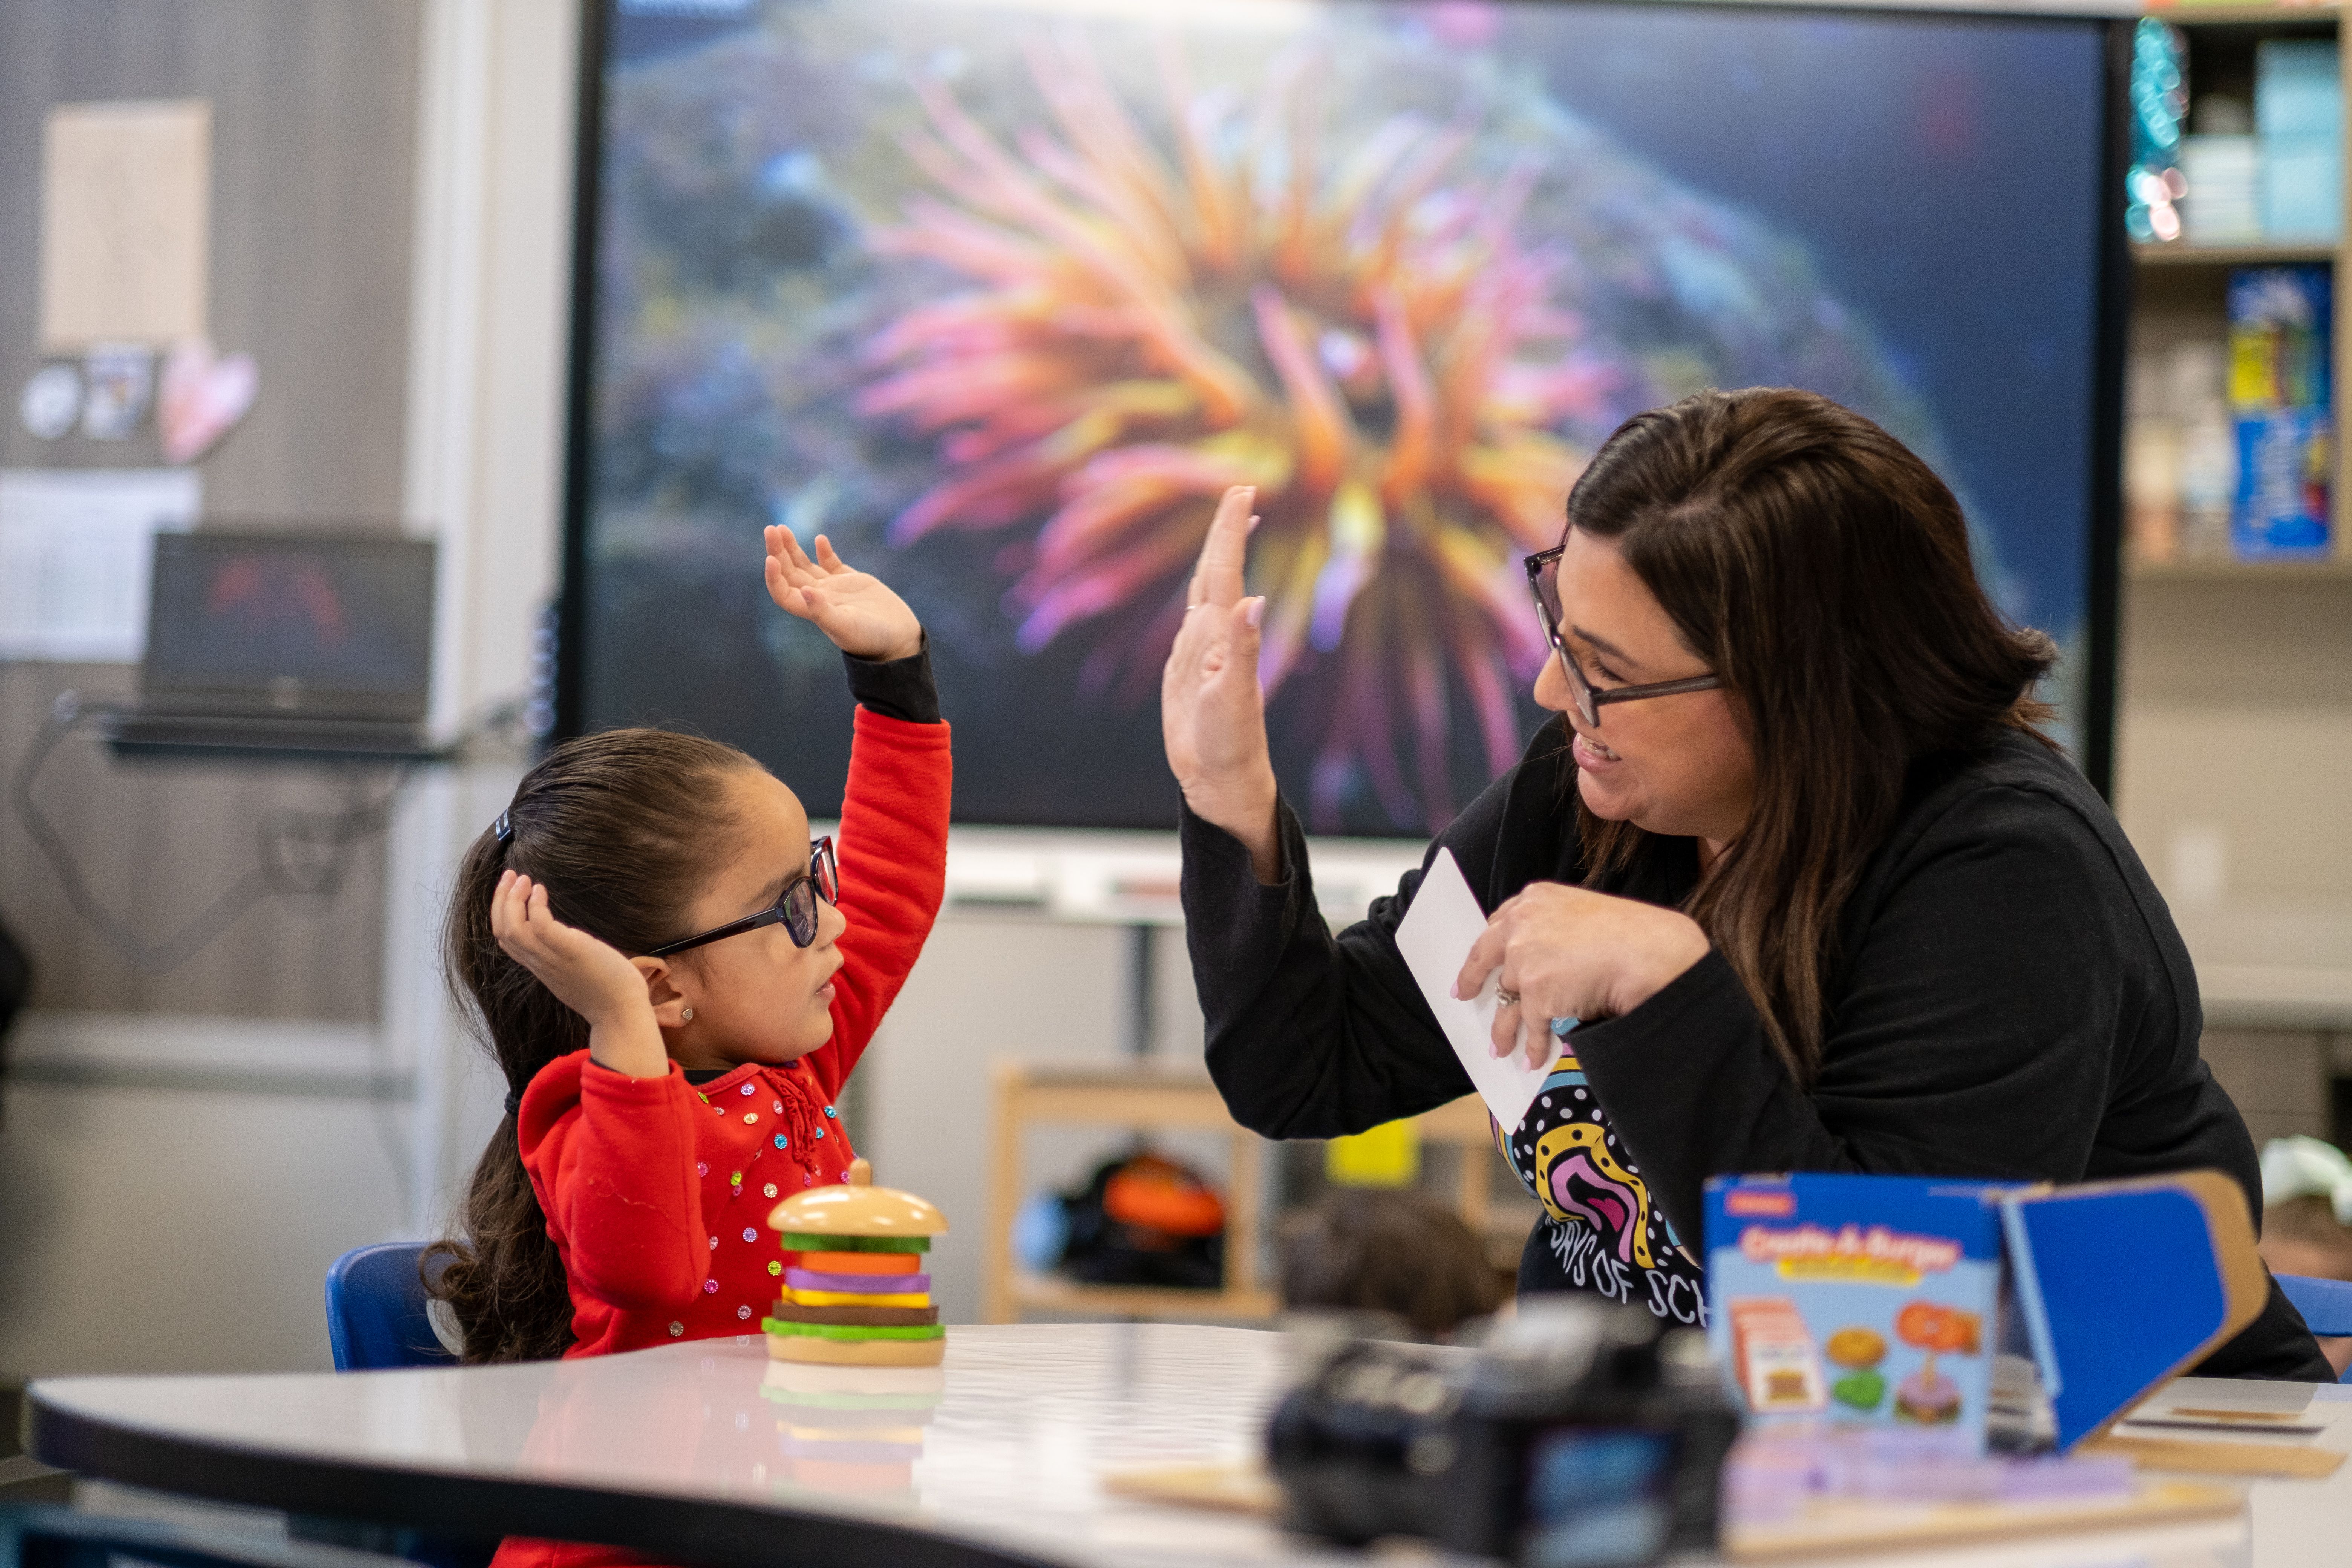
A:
[2095,720]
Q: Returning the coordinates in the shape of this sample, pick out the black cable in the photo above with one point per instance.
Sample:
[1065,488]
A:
[297,853]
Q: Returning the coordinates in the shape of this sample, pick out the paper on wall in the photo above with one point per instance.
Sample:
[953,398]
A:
[76,547]
[1435,936]
[126,201]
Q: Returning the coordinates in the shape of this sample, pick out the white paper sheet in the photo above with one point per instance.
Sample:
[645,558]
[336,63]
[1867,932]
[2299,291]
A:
[126,203]
[1435,936]
[75,546]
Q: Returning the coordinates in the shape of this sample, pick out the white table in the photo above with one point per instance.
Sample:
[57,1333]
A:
[678,1450]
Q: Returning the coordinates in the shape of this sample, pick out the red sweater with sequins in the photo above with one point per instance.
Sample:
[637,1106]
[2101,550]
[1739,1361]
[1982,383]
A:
[657,1194]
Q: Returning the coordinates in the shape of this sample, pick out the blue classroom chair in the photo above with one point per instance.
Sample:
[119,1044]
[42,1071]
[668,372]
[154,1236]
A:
[2325,1305]
[375,1321]
[375,1310]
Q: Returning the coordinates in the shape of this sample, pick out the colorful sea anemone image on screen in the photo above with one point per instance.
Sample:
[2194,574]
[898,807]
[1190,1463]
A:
[1003,297]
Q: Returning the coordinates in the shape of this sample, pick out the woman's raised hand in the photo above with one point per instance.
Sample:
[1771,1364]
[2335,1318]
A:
[1212,712]
[1567,953]
[856,609]
[588,976]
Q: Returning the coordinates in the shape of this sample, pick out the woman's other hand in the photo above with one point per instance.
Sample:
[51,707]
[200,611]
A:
[856,609]
[588,976]
[1212,713]
[1567,953]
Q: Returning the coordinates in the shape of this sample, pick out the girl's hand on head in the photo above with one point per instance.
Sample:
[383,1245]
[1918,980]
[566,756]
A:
[1567,952]
[588,976]
[856,609]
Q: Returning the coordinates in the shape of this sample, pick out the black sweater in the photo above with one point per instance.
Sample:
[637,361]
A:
[2012,1002]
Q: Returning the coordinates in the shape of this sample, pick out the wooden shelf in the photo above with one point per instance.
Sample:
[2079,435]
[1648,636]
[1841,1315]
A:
[2183,253]
[1150,1097]
[1038,1293]
[2336,572]
[2208,16]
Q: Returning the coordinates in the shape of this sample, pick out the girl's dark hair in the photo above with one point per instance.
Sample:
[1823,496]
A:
[622,828]
[1823,571]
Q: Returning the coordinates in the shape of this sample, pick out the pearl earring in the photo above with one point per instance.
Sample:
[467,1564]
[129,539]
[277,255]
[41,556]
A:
[688,1015]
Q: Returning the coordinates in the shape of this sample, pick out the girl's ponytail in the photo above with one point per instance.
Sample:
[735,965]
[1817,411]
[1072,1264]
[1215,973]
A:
[622,828]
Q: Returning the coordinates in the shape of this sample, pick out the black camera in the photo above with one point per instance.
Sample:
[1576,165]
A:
[1578,1435]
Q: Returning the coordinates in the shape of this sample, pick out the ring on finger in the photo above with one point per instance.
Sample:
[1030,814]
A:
[1506,998]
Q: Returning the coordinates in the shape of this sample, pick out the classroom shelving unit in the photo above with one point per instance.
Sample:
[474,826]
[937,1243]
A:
[1145,1099]
[2187,282]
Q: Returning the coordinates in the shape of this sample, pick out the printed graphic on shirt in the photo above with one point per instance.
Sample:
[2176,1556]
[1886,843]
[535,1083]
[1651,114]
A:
[1599,1223]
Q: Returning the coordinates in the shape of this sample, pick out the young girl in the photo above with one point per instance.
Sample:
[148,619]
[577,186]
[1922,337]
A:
[676,983]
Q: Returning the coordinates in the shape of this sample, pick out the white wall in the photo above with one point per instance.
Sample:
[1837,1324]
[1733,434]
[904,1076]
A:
[162,1209]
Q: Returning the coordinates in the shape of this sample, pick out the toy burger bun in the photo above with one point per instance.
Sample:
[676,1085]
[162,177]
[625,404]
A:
[859,1294]
[839,1218]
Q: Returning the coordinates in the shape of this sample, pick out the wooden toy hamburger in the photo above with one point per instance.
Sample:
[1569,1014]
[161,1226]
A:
[858,1295]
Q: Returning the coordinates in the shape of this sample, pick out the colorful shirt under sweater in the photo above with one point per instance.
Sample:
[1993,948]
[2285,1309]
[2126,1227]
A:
[1600,1231]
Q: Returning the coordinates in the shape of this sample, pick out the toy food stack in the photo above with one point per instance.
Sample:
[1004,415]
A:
[857,1294]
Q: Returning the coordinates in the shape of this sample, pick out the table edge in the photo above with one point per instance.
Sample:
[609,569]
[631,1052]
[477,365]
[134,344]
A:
[719,1532]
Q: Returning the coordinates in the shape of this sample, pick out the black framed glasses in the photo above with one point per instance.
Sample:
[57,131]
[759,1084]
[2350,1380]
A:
[1543,582]
[795,907]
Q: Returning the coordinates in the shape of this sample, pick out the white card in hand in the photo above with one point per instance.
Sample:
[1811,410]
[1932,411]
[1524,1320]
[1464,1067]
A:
[1435,936]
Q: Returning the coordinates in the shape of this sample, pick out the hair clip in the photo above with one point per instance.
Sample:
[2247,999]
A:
[505,830]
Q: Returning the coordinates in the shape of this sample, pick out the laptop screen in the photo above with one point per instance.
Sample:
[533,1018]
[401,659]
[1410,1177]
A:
[290,623]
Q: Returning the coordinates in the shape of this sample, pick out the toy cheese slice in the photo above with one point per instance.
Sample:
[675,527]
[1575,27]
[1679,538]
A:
[2124,1284]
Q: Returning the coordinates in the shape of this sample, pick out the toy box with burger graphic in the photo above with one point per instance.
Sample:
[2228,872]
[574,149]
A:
[1856,1300]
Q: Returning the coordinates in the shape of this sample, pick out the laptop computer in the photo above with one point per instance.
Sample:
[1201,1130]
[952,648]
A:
[315,644]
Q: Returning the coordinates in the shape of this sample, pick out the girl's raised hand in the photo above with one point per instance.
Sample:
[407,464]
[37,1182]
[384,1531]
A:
[856,609]
[588,976]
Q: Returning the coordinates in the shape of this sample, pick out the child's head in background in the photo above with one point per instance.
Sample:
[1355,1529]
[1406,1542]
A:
[1384,1250]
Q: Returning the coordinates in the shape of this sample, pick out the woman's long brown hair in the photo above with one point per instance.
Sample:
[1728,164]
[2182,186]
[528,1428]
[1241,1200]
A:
[1823,571]
[622,828]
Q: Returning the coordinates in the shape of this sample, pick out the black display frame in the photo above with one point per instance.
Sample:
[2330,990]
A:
[2095,727]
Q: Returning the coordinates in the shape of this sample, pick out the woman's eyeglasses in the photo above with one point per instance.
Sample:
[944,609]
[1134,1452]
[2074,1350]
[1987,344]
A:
[795,907]
[1543,582]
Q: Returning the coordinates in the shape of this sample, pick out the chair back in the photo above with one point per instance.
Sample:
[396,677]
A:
[2325,1305]
[375,1310]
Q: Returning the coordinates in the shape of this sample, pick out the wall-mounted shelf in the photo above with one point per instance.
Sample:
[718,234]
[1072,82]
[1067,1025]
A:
[2269,16]
[2182,253]
[2338,572]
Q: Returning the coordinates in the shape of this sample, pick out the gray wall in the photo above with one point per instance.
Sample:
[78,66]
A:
[153,1216]
[314,106]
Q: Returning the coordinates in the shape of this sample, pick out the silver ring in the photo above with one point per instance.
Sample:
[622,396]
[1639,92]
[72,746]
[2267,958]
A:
[1506,998]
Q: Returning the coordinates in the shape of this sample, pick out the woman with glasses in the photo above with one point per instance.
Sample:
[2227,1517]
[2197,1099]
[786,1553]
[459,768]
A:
[1796,879]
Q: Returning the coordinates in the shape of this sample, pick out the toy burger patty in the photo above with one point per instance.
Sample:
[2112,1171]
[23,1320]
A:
[859,1294]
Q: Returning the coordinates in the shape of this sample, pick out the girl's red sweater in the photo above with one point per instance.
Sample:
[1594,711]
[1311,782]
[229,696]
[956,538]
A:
[657,1192]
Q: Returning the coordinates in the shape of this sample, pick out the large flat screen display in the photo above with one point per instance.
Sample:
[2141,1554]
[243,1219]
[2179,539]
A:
[1000,294]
